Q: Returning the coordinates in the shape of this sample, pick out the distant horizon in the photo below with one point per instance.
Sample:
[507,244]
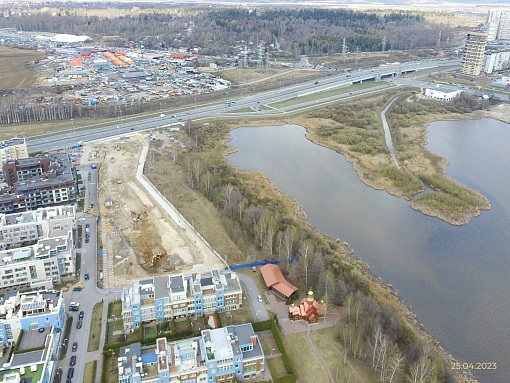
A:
[401,3]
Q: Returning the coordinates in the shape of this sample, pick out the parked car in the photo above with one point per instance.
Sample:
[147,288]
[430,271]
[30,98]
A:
[259,298]
[81,315]
[254,269]
[87,225]
[87,240]
[73,360]
[75,346]
[79,324]
[86,277]
[70,373]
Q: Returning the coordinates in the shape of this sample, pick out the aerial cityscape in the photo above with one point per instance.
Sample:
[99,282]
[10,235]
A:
[254,191]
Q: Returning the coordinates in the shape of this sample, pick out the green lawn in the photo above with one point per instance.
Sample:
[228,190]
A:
[35,375]
[335,361]
[242,110]
[112,370]
[328,93]
[117,309]
[276,367]
[308,367]
[150,332]
[95,327]
[268,344]
[181,325]
[89,375]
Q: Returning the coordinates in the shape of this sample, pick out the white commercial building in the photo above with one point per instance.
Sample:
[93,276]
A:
[442,94]
[37,247]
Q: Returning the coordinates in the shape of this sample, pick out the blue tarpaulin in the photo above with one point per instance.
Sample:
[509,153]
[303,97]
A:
[255,264]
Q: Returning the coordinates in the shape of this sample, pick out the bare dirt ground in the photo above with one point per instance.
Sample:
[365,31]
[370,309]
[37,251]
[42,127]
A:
[138,237]
[13,72]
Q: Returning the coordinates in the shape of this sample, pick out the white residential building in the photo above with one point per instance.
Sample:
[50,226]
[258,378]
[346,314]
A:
[36,247]
[13,149]
[33,322]
[173,296]
[496,59]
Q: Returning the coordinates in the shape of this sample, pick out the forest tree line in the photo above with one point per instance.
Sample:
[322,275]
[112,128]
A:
[375,329]
[221,30]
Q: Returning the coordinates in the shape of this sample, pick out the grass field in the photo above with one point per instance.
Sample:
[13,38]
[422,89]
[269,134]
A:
[322,95]
[308,367]
[95,327]
[335,361]
[14,74]
[89,374]
[112,370]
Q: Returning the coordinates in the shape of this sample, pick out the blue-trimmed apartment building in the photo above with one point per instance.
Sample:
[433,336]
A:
[29,311]
[163,298]
[34,321]
[217,356]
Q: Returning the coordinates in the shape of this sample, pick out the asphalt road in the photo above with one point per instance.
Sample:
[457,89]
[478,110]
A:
[90,295]
[251,292]
[73,137]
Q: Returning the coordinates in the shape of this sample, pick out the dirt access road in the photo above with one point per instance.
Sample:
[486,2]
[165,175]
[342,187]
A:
[140,234]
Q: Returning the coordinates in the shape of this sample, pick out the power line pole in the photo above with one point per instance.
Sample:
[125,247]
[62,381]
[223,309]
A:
[344,50]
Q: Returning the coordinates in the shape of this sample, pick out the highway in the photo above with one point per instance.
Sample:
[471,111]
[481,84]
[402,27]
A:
[73,136]
[90,295]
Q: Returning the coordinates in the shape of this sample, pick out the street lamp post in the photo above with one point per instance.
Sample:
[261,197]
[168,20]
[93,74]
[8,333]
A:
[65,345]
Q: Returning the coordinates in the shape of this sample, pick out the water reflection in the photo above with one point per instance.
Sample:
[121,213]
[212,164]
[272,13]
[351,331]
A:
[456,278]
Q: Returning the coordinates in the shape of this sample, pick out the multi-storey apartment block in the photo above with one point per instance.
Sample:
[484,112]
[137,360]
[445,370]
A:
[166,297]
[38,182]
[13,149]
[36,247]
[218,355]
[474,54]
[29,311]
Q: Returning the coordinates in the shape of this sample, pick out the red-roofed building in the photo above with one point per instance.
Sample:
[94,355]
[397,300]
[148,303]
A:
[309,310]
[275,281]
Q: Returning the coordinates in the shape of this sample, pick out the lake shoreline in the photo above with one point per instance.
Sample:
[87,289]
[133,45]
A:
[406,308]
[370,178]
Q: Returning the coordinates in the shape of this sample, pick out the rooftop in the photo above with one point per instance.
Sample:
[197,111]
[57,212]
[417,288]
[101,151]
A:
[11,142]
[35,376]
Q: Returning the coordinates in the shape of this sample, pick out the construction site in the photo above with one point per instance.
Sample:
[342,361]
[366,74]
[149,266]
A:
[139,233]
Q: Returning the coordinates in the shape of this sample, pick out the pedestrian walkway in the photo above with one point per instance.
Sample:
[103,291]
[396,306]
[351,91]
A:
[314,349]
[341,354]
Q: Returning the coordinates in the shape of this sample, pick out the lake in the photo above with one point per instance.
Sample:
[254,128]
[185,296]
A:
[455,278]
